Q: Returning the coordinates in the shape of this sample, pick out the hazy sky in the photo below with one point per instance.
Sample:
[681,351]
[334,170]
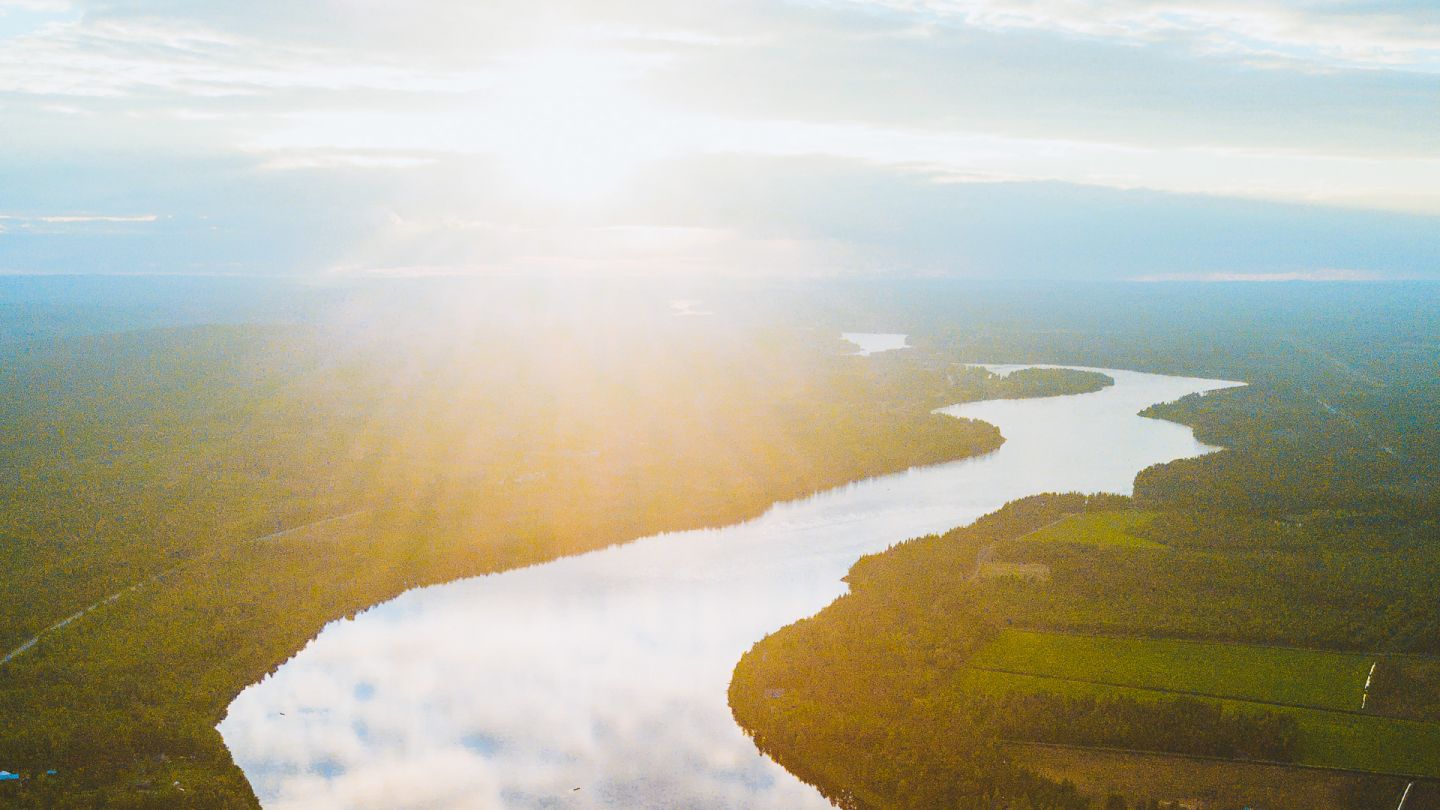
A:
[1138,138]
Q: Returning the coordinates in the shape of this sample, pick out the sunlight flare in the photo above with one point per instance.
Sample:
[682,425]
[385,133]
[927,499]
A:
[569,125]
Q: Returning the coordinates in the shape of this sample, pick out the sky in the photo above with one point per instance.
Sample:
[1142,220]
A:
[1136,139]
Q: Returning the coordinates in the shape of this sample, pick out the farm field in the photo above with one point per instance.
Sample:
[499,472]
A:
[1116,527]
[1407,686]
[1323,680]
[1204,784]
[1311,686]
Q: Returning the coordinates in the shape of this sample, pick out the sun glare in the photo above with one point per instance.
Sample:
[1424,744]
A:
[569,125]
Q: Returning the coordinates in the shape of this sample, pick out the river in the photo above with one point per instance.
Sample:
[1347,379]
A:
[599,680]
[874,342]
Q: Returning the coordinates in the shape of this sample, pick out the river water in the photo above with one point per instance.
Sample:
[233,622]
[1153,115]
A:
[874,342]
[599,680]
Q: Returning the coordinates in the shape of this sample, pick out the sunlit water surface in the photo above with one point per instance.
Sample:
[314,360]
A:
[599,680]
[872,342]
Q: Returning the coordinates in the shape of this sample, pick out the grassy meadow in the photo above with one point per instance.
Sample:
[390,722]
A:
[1297,677]
[1116,528]
[1205,784]
[1320,690]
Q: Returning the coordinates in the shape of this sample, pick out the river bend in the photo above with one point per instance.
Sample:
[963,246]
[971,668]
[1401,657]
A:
[600,680]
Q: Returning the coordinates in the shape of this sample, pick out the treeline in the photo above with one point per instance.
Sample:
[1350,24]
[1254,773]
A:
[1286,453]
[1031,382]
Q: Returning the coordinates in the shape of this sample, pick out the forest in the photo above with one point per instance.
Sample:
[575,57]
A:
[238,486]
[1315,529]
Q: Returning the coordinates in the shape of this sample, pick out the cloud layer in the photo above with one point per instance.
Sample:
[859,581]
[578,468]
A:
[524,136]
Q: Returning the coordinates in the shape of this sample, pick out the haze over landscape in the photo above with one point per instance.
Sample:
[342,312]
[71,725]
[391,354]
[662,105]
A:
[760,404]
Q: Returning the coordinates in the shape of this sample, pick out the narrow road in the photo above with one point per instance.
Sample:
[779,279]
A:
[1353,372]
[1206,758]
[1354,423]
[80,614]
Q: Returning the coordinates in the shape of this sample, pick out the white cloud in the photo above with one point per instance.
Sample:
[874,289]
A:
[1295,275]
[1261,173]
[1339,33]
[293,161]
[517,114]
[72,219]
[121,58]
[35,6]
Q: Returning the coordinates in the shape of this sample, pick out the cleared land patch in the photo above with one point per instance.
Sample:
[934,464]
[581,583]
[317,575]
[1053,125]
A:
[1115,527]
[1319,689]
[1323,680]
[1205,784]
[1406,686]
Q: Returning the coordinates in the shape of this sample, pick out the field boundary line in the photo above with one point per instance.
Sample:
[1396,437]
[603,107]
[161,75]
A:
[1206,758]
[1194,693]
[1064,631]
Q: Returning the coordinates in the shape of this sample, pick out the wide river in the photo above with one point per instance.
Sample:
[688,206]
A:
[599,680]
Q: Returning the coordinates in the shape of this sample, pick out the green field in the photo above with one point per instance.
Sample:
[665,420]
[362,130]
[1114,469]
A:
[1224,784]
[1311,685]
[1323,680]
[1107,528]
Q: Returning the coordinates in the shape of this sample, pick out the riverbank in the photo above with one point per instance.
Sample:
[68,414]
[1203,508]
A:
[1211,618]
[124,702]
[607,672]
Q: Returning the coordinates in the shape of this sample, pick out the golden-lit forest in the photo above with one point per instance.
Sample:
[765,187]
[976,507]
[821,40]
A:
[239,486]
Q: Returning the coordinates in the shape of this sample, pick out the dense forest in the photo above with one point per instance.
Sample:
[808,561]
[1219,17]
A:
[235,487]
[1316,529]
